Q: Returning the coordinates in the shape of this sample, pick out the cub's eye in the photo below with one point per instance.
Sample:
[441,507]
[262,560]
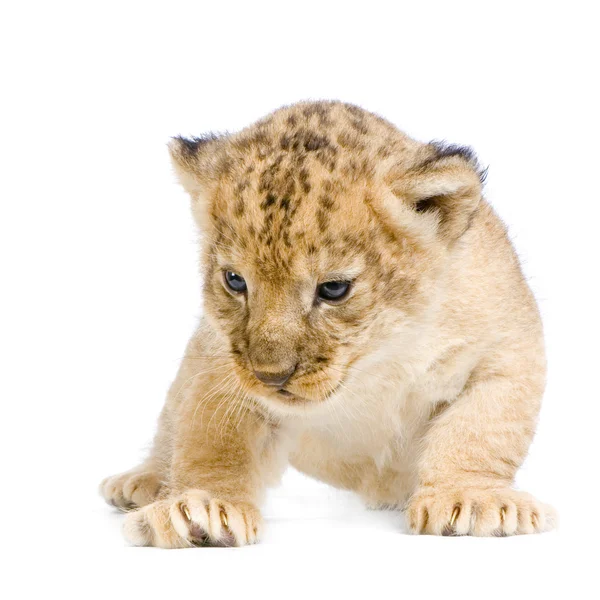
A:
[333,290]
[236,283]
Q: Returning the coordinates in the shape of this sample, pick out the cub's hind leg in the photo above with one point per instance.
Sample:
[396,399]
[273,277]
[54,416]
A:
[133,489]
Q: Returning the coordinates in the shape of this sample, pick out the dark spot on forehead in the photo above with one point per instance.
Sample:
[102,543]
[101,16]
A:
[314,141]
[373,258]
[270,173]
[239,207]
[327,186]
[304,178]
[285,142]
[319,109]
[350,141]
[242,185]
[383,152]
[224,166]
[268,202]
[359,125]
[322,220]
[350,168]
[354,110]
[326,202]
[289,188]
[353,243]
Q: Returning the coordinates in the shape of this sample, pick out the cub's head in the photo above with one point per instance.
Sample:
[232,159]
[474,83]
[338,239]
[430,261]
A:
[325,231]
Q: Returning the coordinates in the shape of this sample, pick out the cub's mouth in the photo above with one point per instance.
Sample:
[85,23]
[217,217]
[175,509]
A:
[309,385]
[308,394]
[287,397]
[303,390]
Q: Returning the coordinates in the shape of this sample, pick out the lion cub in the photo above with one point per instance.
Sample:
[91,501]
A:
[365,320]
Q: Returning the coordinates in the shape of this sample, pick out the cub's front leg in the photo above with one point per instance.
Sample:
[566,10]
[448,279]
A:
[471,454]
[221,449]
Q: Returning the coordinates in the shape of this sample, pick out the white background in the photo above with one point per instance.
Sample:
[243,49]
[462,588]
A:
[100,286]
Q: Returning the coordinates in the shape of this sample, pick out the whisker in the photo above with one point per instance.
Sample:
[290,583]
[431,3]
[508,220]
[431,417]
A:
[207,397]
[203,372]
[232,406]
[224,385]
[246,404]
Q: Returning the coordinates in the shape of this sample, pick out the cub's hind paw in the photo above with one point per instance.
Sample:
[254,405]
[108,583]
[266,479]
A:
[479,512]
[194,518]
[130,490]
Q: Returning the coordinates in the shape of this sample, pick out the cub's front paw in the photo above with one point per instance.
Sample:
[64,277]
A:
[480,512]
[194,518]
[130,490]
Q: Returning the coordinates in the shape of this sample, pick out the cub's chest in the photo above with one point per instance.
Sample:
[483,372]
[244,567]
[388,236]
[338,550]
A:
[382,418]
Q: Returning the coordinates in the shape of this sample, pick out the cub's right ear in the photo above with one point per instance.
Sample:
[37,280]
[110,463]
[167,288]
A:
[194,160]
[445,186]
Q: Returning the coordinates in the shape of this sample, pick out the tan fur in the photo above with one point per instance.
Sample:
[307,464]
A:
[419,391]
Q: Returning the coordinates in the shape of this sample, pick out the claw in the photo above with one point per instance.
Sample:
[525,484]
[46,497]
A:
[186,512]
[534,520]
[454,516]
[223,516]
[503,513]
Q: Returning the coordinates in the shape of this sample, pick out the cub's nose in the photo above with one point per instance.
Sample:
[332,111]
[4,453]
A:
[274,379]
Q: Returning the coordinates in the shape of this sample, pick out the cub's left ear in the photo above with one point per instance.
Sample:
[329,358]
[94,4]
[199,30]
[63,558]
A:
[194,161]
[446,185]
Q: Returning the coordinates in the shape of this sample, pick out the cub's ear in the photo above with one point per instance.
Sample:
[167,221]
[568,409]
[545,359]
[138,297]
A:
[194,160]
[445,185]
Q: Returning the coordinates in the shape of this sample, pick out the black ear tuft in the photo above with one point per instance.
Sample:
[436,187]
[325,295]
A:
[190,146]
[446,150]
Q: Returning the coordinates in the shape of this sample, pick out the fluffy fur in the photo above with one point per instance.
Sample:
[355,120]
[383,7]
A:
[419,390]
